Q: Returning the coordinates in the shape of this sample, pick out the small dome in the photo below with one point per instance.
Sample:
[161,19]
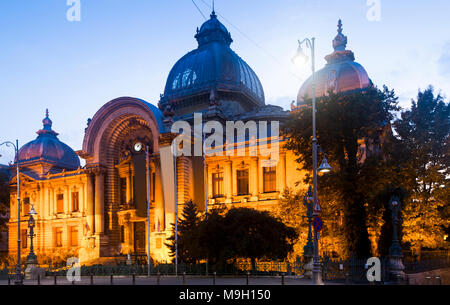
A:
[340,74]
[213,65]
[48,148]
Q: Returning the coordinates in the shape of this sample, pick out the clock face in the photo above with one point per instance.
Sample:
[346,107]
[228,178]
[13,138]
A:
[138,146]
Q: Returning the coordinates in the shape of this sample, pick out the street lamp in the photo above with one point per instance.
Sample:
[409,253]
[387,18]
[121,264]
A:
[19,278]
[395,251]
[31,258]
[324,166]
[300,57]
[308,249]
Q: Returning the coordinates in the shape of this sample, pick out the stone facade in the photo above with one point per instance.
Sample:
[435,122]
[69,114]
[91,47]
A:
[100,210]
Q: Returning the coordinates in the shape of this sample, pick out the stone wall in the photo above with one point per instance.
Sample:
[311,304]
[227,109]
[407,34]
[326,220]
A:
[421,278]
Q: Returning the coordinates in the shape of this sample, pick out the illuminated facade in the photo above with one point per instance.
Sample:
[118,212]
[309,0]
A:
[99,210]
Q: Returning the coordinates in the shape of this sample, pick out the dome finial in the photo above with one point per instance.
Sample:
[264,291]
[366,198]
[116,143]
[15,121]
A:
[46,121]
[339,26]
[340,41]
[213,13]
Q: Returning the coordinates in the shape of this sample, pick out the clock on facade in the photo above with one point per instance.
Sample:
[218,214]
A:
[138,146]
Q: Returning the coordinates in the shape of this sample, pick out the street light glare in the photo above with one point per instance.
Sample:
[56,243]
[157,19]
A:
[300,58]
[324,166]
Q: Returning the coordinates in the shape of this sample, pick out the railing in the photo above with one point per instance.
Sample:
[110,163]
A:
[336,270]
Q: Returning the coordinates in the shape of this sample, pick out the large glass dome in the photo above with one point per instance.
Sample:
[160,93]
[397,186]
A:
[212,65]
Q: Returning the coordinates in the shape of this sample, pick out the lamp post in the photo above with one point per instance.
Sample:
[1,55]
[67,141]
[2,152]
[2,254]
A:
[147,187]
[395,251]
[308,249]
[19,278]
[317,275]
[138,147]
[31,258]
[301,58]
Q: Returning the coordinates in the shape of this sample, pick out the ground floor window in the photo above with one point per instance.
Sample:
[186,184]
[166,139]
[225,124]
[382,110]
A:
[242,182]
[269,179]
[24,238]
[217,182]
[123,191]
[26,206]
[58,237]
[74,236]
[122,234]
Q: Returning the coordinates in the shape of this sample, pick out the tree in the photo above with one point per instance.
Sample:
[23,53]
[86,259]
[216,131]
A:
[424,134]
[256,234]
[292,212]
[187,235]
[213,237]
[4,200]
[242,233]
[344,123]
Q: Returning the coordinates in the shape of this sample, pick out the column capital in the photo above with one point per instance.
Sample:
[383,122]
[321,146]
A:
[166,138]
[96,170]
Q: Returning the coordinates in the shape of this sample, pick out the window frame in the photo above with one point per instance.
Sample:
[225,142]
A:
[269,179]
[217,185]
[239,179]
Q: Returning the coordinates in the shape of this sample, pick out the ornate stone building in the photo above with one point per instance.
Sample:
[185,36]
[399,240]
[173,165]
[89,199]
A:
[99,210]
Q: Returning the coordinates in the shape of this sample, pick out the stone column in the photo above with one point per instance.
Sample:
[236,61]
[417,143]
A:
[281,172]
[228,179]
[254,178]
[159,198]
[99,202]
[51,202]
[129,188]
[67,200]
[90,202]
[41,211]
[81,198]
[210,182]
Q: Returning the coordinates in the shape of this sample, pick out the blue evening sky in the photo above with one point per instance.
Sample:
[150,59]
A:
[127,48]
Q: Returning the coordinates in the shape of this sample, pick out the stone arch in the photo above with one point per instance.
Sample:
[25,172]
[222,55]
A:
[113,112]
[110,127]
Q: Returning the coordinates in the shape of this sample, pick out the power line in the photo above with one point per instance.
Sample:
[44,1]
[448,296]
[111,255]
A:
[199,9]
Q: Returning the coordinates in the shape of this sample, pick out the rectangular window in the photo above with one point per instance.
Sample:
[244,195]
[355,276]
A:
[242,182]
[26,206]
[58,237]
[74,236]
[153,186]
[60,203]
[158,243]
[269,179]
[123,190]
[122,234]
[75,202]
[217,181]
[24,238]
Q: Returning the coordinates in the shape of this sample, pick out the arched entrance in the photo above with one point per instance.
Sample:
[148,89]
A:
[118,184]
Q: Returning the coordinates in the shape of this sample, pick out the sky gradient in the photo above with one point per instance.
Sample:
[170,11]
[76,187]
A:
[127,48]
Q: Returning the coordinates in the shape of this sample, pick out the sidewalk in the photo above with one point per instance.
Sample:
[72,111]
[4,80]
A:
[173,280]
